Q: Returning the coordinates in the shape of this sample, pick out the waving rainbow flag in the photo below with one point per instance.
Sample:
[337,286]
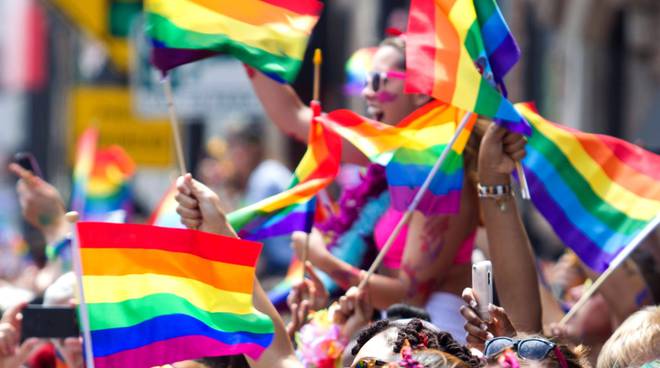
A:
[409,151]
[293,209]
[159,295]
[596,191]
[449,51]
[101,179]
[270,35]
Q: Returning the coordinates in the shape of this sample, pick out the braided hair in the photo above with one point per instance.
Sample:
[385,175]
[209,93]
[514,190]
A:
[418,335]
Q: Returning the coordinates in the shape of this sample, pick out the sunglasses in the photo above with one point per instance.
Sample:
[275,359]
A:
[376,80]
[533,348]
[369,363]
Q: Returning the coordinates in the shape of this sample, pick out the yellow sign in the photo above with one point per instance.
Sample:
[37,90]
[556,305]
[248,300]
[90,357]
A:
[147,141]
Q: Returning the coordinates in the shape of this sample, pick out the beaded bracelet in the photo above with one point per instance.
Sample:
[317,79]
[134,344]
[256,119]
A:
[500,193]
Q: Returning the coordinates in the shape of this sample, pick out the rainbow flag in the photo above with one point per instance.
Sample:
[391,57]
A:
[270,35]
[357,67]
[101,179]
[293,209]
[294,274]
[596,191]
[409,151]
[449,58]
[159,295]
[165,214]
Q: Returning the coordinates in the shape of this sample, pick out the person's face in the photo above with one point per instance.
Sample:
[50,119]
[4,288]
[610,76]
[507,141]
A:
[244,157]
[379,347]
[389,104]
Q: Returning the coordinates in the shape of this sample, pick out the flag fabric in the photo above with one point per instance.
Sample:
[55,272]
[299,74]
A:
[159,295]
[294,274]
[597,192]
[292,210]
[165,214]
[409,151]
[101,180]
[270,35]
[448,58]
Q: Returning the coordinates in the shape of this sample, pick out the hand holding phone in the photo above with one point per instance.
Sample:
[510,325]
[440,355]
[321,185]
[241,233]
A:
[27,161]
[482,286]
[49,322]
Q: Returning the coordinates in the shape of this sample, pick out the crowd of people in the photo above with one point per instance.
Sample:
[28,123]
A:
[418,310]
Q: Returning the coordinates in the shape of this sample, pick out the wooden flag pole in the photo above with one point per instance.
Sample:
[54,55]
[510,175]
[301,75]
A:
[616,262]
[318,60]
[522,179]
[73,217]
[167,86]
[416,200]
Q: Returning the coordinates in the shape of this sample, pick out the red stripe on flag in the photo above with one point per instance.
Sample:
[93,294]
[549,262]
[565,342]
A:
[307,7]
[209,246]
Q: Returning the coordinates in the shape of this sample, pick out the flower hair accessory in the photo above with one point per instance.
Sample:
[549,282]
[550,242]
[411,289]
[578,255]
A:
[407,360]
[320,342]
[508,359]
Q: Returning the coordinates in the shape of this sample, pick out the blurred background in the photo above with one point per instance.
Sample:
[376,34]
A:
[66,65]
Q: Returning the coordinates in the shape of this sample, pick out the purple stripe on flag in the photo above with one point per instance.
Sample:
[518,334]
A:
[504,57]
[294,221]
[571,235]
[176,350]
[431,204]
[165,58]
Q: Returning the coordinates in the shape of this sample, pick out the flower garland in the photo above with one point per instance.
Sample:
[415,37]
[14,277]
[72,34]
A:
[320,342]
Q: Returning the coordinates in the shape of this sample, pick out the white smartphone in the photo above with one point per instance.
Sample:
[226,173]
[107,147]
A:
[482,286]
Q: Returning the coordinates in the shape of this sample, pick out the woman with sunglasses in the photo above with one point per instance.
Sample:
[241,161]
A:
[429,263]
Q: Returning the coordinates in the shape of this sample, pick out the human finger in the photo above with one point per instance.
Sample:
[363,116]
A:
[188,213]
[186,200]
[519,155]
[191,224]
[515,147]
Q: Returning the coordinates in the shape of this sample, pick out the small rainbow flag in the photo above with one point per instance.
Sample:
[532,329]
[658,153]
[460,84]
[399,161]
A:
[165,214]
[293,209]
[159,295]
[410,150]
[101,179]
[449,58]
[357,68]
[596,191]
[270,35]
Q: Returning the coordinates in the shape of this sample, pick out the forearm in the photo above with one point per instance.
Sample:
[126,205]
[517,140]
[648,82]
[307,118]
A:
[283,106]
[513,264]
[56,231]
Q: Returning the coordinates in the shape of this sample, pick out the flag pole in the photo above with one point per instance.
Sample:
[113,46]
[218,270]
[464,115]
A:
[73,217]
[416,201]
[616,262]
[316,111]
[522,180]
[167,86]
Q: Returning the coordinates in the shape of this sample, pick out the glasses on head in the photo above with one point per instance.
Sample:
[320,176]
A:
[369,363]
[532,348]
[376,80]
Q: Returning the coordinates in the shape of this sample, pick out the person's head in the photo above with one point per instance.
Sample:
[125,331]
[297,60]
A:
[383,91]
[535,351]
[245,141]
[384,340]
[635,342]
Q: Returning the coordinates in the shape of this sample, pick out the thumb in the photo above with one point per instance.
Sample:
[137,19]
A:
[494,133]
[27,348]
[11,315]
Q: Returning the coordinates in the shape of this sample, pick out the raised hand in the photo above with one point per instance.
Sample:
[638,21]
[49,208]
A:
[41,204]
[317,251]
[13,355]
[200,208]
[477,330]
[500,149]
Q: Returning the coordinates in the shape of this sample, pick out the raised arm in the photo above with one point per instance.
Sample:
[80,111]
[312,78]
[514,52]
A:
[510,251]
[291,115]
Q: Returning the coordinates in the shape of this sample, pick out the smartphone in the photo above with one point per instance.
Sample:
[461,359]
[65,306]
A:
[49,322]
[27,161]
[482,286]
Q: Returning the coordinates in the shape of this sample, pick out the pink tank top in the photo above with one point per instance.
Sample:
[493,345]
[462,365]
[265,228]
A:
[393,258]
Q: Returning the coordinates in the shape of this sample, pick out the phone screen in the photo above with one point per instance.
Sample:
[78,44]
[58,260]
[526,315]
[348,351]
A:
[50,322]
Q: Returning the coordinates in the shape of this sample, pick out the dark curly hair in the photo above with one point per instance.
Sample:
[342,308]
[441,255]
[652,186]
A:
[417,334]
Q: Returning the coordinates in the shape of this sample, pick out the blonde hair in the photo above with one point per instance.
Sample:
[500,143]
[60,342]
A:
[635,342]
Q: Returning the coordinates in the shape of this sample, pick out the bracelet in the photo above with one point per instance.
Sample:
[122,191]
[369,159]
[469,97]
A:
[500,193]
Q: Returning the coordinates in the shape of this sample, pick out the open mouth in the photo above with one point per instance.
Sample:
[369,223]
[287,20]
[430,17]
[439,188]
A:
[375,113]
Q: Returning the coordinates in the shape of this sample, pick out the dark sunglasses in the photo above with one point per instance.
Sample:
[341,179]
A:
[369,363]
[532,348]
[376,80]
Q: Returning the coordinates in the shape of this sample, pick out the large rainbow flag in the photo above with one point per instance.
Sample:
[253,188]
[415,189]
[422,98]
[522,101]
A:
[270,35]
[159,295]
[457,51]
[289,211]
[101,179]
[409,151]
[596,191]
